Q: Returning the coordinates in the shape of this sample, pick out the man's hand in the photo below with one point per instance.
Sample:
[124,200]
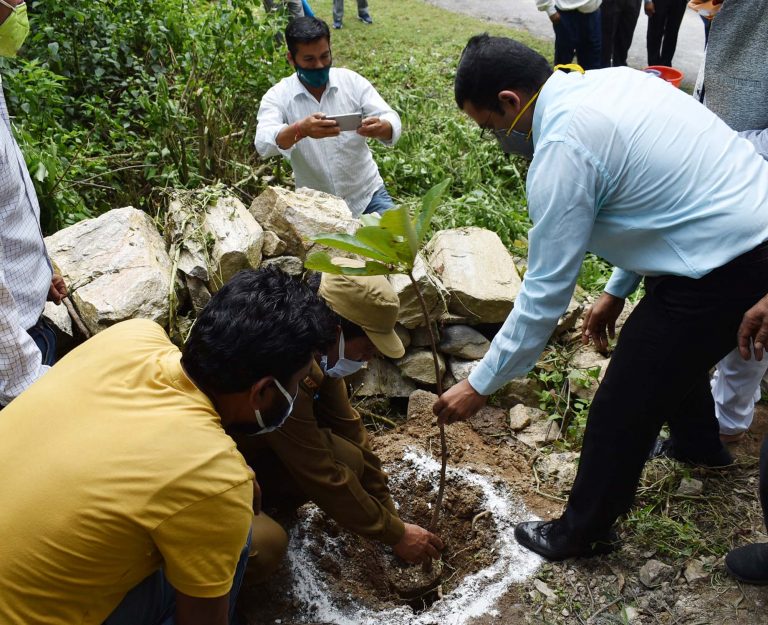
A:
[600,316]
[754,330]
[650,9]
[375,128]
[555,18]
[418,545]
[458,403]
[317,127]
[58,289]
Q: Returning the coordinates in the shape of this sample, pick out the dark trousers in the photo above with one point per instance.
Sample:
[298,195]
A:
[578,34]
[659,372]
[663,27]
[619,18]
[45,339]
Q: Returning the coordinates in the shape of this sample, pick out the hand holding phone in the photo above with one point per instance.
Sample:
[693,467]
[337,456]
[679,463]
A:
[347,122]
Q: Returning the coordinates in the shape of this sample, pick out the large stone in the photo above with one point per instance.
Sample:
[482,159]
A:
[586,371]
[464,342]
[237,240]
[520,391]
[272,245]
[540,430]
[432,290]
[420,336]
[558,469]
[690,487]
[199,294]
[653,573]
[292,265]
[403,334]
[185,236]
[296,216]
[460,369]
[380,378]
[116,268]
[419,365]
[478,272]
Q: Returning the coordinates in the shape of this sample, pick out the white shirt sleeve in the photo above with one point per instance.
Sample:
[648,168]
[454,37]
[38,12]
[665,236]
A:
[271,119]
[21,362]
[622,283]
[759,139]
[546,5]
[373,105]
[562,186]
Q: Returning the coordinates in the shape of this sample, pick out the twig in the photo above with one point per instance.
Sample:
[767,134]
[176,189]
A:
[603,609]
[73,314]
[478,516]
[376,417]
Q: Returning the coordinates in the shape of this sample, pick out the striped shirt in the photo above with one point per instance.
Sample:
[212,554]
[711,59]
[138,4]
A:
[25,272]
[343,165]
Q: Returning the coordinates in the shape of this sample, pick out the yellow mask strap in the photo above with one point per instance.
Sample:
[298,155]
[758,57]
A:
[574,67]
[523,110]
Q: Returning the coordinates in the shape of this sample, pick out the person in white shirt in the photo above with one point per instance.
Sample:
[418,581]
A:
[292,121]
[578,30]
[27,343]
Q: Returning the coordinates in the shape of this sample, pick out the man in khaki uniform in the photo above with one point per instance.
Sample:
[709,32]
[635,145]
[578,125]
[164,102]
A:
[322,452]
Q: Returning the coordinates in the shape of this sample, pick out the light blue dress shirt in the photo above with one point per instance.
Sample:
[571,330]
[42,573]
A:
[637,172]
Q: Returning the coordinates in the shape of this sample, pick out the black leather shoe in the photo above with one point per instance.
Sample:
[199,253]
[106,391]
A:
[665,448]
[548,539]
[749,564]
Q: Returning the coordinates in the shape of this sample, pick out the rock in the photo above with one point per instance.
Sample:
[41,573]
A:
[449,319]
[116,268]
[631,614]
[185,236]
[519,418]
[418,365]
[272,245]
[464,342]
[59,318]
[478,272]
[569,318]
[558,468]
[432,290]
[545,590]
[291,265]
[237,240]
[541,430]
[460,369]
[403,334]
[380,378]
[490,420]
[199,294]
[420,405]
[420,337]
[694,571]
[449,381]
[296,216]
[653,573]
[586,370]
[520,391]
[690,486]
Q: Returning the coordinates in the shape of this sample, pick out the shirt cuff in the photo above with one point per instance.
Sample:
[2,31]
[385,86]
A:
[393,532]
[286,153]
[622,283]
[551,10]
[484,380]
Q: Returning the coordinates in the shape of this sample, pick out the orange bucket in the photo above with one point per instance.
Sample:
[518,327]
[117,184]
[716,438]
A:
[670,74]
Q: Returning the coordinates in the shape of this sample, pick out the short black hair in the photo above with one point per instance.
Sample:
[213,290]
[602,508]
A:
[261,323]
[305,30]
[489,65]
[351,330]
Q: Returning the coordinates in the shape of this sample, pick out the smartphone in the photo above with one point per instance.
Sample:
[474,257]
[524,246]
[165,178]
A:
[350,121]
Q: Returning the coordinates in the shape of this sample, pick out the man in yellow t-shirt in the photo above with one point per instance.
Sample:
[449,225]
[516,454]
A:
[124,499]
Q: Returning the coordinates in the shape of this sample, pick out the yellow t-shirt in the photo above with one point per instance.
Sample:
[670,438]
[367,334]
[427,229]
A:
[113,464]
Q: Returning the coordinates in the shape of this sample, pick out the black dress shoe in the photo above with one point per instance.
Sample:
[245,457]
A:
[749,564]
[665,448]
[549,539]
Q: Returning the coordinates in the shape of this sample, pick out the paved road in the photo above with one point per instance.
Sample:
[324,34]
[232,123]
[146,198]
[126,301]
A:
[522,14]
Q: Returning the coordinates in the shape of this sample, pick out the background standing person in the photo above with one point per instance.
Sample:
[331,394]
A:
[27,342]
[292,122]
[619,18]
[664,19]
[362,13]
[295,7]
[578,30]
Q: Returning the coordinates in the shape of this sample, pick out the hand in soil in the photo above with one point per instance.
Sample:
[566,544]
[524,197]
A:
[418,545]
[458,403]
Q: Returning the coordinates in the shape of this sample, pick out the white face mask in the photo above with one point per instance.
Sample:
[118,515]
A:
[343,366]
[271,428]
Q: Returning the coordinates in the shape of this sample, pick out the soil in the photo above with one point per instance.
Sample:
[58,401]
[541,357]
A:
[361,574]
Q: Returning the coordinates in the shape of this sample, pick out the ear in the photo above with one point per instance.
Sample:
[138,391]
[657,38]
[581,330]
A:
[259,395]
[289,56]
[510,97]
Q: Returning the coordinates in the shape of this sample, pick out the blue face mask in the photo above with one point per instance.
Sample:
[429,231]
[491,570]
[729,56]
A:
[314,77]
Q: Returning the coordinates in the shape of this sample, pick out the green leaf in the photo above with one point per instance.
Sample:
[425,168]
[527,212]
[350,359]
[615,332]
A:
[429,204]
[350,243]
[398,221]
[320,261]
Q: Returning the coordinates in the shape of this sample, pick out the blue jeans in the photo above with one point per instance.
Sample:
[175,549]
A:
[45,339]
[338,9]
[579,34]
[153,601]
[380,202]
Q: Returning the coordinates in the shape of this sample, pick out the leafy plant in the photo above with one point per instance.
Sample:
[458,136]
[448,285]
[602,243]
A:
[391,244]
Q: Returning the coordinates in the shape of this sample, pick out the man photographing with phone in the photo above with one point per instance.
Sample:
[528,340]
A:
[303,117]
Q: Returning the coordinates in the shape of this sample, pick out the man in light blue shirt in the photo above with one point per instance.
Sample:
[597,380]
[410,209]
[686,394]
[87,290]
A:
[676,198]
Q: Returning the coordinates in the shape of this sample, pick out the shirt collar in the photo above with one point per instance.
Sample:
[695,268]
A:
[298,87]
[541,103]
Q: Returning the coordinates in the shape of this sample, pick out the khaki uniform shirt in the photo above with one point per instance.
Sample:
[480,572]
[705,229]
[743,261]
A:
[363,506]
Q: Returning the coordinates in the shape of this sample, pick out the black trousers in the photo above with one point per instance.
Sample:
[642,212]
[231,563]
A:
[578,34]
[660,372]
[619,19]
[663,27]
